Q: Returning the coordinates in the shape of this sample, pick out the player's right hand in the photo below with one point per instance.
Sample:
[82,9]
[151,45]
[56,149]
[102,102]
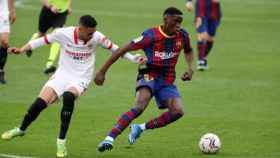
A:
[14,50]
[187,76]
[99,78]
[189,6]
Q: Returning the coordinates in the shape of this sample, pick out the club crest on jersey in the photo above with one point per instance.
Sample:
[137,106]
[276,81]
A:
[178,44]
[138,39]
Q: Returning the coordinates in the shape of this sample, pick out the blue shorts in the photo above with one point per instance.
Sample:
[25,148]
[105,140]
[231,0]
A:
[160,90]
[208,25]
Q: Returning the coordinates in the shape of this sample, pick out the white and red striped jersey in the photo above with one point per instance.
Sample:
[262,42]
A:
[77,59]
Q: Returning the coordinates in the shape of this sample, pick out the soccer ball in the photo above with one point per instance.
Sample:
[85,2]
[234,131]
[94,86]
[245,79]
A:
[209,143]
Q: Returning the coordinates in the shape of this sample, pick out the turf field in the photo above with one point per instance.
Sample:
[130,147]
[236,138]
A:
[236,98]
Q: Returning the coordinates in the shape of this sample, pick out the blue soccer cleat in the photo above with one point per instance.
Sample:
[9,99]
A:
[105,145]
[135,132]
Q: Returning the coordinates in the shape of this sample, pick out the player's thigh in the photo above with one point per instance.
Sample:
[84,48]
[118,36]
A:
[212,28]
[4,39]
[48,94]
[57,83]
[165,95]
[143,97]
[59,20]
[175,105]
[4,31]
[45,20]
[201,29]
[77,87]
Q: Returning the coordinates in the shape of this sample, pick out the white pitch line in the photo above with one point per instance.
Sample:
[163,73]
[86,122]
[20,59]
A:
[149,16]
[13,156]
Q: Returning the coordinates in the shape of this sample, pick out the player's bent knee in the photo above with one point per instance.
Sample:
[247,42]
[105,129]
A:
[210,39]
[68,97]
[141,104]
[202,36]
[179,112]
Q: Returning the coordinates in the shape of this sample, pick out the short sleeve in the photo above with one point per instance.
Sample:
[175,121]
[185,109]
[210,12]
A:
[186,42]
[55,36]
[105,42]
[141,42]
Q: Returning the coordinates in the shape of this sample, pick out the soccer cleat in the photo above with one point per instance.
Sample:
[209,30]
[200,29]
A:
[8,135]
[28,53]
[61,150]
[2,77]
[202,65]
[135,132]
[105,145]
[49,70]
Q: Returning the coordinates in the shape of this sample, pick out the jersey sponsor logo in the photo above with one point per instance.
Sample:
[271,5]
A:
[78,55]
[165,55]
[138,39]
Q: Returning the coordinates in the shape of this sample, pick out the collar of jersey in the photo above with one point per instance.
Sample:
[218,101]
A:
[164,34]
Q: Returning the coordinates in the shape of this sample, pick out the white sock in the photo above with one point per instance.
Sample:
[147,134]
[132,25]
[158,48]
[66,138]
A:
[109,138]
[18,129]
[143,126]
[60,141]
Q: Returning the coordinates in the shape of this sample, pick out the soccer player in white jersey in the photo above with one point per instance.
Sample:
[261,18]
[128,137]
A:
[7,16]
[74,73]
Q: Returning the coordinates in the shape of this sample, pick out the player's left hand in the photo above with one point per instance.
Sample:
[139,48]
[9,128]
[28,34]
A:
[187,76]
[12,16]
[99,78]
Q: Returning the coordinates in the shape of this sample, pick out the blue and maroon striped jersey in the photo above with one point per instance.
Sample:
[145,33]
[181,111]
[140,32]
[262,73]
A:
[162,51]
[208,8]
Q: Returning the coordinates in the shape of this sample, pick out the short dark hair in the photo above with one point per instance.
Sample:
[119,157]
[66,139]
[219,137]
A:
[87,21]
[172,11]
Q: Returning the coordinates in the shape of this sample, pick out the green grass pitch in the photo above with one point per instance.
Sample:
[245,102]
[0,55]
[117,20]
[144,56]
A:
[236,98]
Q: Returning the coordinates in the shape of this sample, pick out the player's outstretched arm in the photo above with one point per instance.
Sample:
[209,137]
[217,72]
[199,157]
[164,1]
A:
[108,44]
[33,44]
[16,50]
[187,76]
[100,75]
[135,58]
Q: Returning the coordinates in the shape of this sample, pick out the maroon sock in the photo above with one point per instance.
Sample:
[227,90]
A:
[209,46]
[201,48]
[163,120]
[123,122]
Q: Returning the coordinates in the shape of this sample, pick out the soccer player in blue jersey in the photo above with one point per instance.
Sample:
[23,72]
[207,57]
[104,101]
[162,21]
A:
[207,19]
[162,46]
